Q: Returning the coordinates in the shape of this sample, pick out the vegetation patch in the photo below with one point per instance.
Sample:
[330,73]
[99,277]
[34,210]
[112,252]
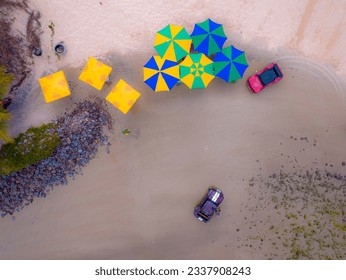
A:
[5,82]
[35,144]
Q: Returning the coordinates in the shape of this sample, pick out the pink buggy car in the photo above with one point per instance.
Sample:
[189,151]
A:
[269,75]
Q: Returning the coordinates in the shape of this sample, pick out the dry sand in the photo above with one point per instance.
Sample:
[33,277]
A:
[137,201]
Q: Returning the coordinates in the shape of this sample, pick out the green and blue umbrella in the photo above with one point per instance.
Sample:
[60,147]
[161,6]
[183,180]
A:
[230,64]
[208,37]
[160,74]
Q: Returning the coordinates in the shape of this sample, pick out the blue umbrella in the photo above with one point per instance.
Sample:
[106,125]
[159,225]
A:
[208,37]
[230,64]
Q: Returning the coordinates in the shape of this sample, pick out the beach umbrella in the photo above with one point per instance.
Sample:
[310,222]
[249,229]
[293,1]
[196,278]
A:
[123,96]
[230,64]
[54,86]
[196,71]
[208,37]
[172,42]
[160,74]
[95,73]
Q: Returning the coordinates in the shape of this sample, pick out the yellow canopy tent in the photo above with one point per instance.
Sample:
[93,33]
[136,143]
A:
[123,96]
[95,73]
[54,86]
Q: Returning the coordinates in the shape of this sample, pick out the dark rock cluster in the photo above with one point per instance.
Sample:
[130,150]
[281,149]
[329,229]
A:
[81,133]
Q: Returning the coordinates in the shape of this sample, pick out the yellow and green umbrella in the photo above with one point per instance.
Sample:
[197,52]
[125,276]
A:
[160,74]
[196,71]
[95,73]
[123,96]
[54,86]
[172,42]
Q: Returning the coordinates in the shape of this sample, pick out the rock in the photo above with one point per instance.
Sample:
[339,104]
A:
[78,147]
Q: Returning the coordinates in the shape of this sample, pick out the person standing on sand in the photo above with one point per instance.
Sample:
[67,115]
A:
[218,212]
[125,132]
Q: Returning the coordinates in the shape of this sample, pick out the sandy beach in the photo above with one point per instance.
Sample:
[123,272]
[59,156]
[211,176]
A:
[137,201]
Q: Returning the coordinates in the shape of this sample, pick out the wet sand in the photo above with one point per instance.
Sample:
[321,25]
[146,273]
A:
[137,201]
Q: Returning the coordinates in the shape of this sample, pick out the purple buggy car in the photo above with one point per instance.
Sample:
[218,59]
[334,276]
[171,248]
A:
[205,210]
